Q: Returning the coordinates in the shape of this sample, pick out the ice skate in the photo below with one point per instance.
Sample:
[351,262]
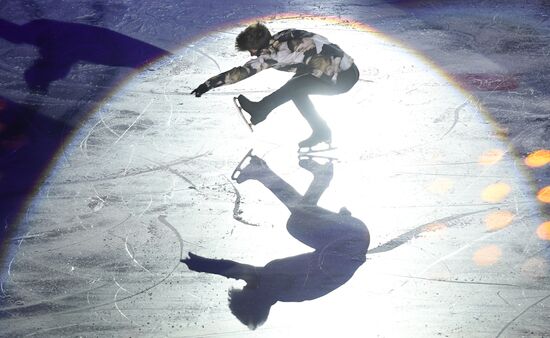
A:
[250,171]
[323,137]
[257,112]
[309,163]
[240,109]
[317,169]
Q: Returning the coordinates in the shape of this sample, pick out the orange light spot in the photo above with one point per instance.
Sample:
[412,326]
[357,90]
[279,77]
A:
[491,157]
[543,231]
[544,194]
[441,186]
[495,192]
[487,256]
[538,158]
[498,219]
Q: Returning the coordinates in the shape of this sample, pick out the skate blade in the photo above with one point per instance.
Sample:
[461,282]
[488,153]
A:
[240,110]
[312,156]
[236,173]
[310,150]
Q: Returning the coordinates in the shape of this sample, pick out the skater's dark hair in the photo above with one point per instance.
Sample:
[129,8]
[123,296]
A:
[255,36]
[248,307]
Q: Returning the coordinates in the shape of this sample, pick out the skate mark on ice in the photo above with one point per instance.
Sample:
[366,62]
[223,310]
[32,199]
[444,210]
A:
[13,259]
[415,147]
[146,208]
[169,165]
[128,247]
[411,234]
[180,175]
[459,281]
[456,118]
[504,300]
[41,331]
[106,125]
[205,54]
[237,206]
[85,239]
[162,219]
[521,314]
[170,104]
[443,258]
[129,160]
[115,299]
[50,233]
[136,171]
[2,289]
[135,120]
[84,143]
[162,280]
[47,301]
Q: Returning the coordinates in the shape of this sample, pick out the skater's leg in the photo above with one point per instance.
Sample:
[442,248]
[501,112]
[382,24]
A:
[320,229]
[322,175]
[303,83]
[320,131]
[307,84]
[259,171]
[282,190]
[299,86]
[308,111]
[44,71]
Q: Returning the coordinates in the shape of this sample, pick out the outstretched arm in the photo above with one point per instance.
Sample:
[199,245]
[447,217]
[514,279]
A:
[235,74]
[222,267]
[12,32]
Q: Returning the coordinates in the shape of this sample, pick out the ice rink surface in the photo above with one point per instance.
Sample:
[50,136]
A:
[111,173]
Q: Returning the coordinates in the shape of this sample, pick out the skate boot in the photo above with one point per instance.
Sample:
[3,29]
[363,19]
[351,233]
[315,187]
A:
[318,136]
[257,111]
[316,168]
[255,167]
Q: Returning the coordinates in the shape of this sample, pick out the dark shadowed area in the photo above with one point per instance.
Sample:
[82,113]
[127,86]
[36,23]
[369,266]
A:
[127,208]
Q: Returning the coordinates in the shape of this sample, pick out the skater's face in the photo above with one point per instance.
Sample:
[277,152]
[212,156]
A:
[253,52]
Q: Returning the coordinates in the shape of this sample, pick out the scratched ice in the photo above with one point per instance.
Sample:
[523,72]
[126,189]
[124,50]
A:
[451,216]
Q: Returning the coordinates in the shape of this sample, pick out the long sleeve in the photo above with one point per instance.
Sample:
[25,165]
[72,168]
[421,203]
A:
[240,73]
[295,51]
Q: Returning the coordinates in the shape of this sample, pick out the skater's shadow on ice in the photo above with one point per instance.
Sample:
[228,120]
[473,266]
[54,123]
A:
[339,242]
[28,141]
[63,44]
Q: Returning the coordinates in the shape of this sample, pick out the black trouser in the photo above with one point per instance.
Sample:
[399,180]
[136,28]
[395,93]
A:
[301,86]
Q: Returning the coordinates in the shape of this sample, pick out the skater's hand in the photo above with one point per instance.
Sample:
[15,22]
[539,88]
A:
[195,262]
[200,90]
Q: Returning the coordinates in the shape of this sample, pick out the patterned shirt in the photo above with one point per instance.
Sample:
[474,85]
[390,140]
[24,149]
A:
[295,51]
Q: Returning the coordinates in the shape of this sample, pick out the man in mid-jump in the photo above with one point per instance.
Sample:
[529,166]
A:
[321,67]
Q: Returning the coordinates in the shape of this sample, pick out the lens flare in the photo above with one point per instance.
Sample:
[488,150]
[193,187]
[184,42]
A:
[544,194]
[543,231]
[538,158]
[495,193]
[487,255]
[491,157]
[498,220]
